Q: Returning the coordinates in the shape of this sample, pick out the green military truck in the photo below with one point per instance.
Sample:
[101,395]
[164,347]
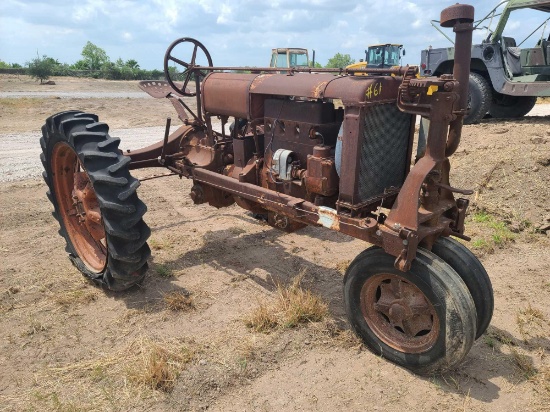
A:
[506,77]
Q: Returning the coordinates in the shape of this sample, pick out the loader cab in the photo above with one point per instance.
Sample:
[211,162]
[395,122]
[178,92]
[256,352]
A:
[289,57]
[384,55]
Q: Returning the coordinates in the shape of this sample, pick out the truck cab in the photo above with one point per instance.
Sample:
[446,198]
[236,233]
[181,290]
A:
[289,57]
[507,72]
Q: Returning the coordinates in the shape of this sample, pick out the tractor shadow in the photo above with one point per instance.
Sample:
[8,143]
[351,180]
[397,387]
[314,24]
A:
[267,258]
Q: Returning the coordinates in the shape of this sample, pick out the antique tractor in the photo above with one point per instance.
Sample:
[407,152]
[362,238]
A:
[329,148]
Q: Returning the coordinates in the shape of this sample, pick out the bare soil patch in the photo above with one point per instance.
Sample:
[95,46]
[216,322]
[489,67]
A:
[181,341]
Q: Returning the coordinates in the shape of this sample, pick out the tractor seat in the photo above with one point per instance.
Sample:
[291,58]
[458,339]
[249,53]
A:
[159,88]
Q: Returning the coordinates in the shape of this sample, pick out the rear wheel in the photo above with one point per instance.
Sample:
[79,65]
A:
[95,200]
[479,99]
[474,275]
[423,319]
[511,107]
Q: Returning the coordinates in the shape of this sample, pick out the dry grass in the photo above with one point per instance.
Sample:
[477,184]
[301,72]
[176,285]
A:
[179,301]
[541,383]
[75,297]
[530,322]
[122,379]
[342,266]
[345,338]
[293,306]
[158,365]
[159,244]
[524,363]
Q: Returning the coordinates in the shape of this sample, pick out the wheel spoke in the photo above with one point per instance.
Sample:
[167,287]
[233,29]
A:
[397,288]
[398,312]
[186,81]
[194,56]
[178,61]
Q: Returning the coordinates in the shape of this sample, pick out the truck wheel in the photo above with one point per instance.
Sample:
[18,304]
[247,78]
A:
[474,275]
[423,319]
[479,99]
[95,200]
[511,107]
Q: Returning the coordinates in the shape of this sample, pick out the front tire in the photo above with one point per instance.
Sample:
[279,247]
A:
[95,201]
[479,99]
[423,319]
[474,275]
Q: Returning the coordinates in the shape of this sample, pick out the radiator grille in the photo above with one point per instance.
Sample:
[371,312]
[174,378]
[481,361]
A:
[384,150]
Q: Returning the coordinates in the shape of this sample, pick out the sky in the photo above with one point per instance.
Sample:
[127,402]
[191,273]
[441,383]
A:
[236,33]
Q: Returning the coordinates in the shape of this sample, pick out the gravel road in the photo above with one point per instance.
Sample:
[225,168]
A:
[76,95]
[19,153]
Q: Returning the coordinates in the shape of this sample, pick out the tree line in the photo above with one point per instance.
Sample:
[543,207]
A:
[96,63]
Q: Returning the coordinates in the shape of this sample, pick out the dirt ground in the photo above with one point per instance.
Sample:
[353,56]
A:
[68,346]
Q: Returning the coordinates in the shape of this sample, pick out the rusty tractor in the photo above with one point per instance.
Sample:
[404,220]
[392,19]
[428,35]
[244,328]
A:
[329,148]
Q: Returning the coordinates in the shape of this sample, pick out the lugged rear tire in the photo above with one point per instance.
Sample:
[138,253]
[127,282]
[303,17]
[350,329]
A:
[95,201]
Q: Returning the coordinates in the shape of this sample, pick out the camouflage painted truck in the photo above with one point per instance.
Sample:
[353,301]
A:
[506,77]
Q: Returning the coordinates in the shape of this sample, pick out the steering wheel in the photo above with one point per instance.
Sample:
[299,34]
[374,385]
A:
[190,69]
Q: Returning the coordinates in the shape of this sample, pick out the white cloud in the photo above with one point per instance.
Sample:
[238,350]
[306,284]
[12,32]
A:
[236,32]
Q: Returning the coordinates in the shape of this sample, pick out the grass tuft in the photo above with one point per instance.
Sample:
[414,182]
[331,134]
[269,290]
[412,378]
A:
[75,297]
[498,236]
[179,301]
[293,306]
[158,365]
[524,363]
[164,271]
[530,322]
[145,364]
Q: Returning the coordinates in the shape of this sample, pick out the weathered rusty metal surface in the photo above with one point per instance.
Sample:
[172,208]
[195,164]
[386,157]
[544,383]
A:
[159,88]
[229,94]
[457,13]
[350,89]
[399,313]
[310,86]
[79,207]
[148,156]
[321,177]
[461,17]
[295,112]
[363,89]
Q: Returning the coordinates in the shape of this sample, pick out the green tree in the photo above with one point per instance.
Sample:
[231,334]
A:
[41,68]
[132,64]
[94,57]
[4,65]
[339,61]
[79,65]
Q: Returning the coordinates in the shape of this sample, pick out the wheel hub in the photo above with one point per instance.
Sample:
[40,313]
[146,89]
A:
[399,314]
[86,206]
[78,207]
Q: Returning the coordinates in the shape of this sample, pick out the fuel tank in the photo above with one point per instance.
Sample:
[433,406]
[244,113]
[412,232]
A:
[243,95]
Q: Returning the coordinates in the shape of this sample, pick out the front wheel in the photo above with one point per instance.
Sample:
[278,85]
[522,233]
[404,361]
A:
[474,275]
[95,200]
[423,319]
[479,99]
